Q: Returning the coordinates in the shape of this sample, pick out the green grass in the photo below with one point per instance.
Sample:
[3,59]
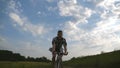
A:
[24,65]
[105,60]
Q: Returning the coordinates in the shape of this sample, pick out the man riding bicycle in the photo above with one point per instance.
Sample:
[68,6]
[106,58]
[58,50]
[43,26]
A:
[57,43]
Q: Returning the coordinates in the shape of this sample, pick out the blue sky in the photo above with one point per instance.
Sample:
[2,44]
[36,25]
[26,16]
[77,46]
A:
[89,26]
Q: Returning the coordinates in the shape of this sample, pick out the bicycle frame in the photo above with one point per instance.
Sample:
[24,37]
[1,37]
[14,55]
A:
[58,63]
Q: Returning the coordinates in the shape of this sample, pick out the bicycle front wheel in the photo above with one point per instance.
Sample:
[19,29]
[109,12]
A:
[59,63]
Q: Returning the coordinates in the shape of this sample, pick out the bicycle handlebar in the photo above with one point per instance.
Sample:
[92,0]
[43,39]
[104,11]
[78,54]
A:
[62,53]
[50,49]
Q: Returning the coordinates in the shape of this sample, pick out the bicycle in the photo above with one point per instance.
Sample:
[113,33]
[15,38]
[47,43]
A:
[58,61]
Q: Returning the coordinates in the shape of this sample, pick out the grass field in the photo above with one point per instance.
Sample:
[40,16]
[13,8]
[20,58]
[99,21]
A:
[105,60]
[24,65]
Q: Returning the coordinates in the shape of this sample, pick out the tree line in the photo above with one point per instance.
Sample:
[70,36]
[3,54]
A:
[6,55]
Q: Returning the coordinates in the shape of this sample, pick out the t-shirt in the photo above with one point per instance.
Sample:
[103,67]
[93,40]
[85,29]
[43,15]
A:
[58,43]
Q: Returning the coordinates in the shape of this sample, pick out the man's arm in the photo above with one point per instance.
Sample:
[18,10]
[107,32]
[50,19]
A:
[65,48]
[53,50]
[53,45]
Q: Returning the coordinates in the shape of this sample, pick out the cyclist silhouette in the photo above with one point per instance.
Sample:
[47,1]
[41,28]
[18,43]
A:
[57,44]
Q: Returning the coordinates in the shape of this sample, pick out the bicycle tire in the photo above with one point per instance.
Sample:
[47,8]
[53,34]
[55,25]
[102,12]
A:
[59,62]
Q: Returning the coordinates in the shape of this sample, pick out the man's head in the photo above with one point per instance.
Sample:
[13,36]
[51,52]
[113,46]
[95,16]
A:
[60,33]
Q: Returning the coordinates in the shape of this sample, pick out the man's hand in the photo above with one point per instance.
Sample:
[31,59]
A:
[66,53]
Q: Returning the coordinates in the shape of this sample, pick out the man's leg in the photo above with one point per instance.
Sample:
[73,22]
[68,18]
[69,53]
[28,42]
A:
[53,59]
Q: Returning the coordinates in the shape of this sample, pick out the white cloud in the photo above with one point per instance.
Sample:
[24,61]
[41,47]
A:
[38,12]
[67,8]
[27,26]
[23,21]
[71,8]
[110,8]
[16,18]
[103,36]
[14,6]
[78,12]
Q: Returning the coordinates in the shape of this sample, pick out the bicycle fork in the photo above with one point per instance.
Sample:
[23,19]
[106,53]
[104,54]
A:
[59,62]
